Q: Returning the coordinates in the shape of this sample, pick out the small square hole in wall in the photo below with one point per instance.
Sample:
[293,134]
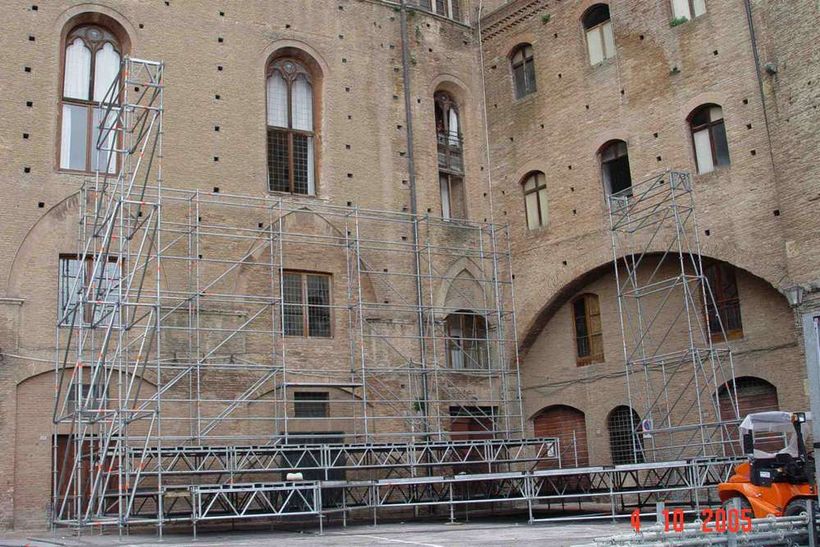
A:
[350,175]
[641,36]
[219,68]
[745,101]
[655,135]
[347,146]
[287,25]
[350,204]
[222,14]
[34,7]
[141,25]
[41,204]
[260,225]
[753,152]
[658,158]
[707,232]
[216,158]
[572,188]
[216,128]
[31,38]
[26,69]
[217,97]
[715,52]
[25,135]
[167,3]
[776,212]
[216,189]
[220,39]
[29,104]
[564,262]
[748,126]
[26,169]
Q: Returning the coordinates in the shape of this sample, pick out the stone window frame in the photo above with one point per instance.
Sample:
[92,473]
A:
[80,27]
[290,66]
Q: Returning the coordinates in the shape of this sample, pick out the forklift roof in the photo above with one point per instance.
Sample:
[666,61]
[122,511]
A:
[776,421]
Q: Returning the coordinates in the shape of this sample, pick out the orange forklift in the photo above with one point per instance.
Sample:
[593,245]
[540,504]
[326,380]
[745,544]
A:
[775,483]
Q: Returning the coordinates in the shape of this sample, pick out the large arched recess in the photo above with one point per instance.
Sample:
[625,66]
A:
[560,297]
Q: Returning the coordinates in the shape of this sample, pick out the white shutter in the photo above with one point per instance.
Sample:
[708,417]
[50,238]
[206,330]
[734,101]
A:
[311,183]
[453,125]
[106,67]
[73,137]
[680,8]
[595,46]
[609,40]
[699,7]
[444,185]
[703,151]
[277,101]
[302,104]
[542,195]
[532,210]
[77,70]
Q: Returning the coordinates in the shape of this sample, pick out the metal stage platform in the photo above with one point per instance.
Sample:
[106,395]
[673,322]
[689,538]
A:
[449,479]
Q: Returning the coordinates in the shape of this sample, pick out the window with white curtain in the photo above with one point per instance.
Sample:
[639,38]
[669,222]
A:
[688,9]
[290,124]
[466,335]
[450,157]
[709,138]
[90,68]
[599,35]
[535,200]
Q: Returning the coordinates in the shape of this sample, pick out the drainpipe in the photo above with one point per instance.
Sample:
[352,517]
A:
[411,179]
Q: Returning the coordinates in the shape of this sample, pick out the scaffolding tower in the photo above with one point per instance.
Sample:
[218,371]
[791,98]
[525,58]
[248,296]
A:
[217,341]
[677,361]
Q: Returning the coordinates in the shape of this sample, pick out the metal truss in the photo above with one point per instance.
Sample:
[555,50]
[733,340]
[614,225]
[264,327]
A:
[674,364]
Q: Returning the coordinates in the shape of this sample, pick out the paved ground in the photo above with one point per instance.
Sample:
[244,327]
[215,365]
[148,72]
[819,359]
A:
[425,534]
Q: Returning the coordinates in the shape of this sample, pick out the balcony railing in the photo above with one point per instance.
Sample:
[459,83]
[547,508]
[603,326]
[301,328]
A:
[450,152]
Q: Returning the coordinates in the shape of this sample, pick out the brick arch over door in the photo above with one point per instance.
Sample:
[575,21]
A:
[753,395]
[568,424]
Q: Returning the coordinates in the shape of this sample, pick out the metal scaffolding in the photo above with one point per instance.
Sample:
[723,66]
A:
[182,361]
[675,355]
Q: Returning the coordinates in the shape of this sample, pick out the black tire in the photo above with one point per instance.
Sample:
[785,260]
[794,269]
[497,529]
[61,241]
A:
[744,503]
[796,507]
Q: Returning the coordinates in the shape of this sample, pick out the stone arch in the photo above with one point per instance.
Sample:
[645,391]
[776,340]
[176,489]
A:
[88,13]
[462,274]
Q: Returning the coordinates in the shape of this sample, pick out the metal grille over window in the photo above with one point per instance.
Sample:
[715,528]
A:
[290,123]
[311,404]
[306,304]
[625,443]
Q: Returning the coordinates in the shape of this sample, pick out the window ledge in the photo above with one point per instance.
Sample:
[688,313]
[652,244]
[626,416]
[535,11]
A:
[529,97]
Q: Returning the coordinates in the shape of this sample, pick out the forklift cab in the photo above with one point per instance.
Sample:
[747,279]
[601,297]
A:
[789,464]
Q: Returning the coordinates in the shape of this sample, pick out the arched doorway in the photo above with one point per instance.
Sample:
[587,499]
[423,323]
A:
[753,395]
[568,425]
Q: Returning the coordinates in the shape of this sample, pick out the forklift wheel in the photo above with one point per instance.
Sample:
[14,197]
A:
[744,503]
[797,507]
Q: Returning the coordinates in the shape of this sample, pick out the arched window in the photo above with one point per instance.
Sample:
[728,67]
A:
[709,137]
[688,9]
[599,35]
[91,64]
[450,157]
[523,69]
[589,338]
[615,168]
[466,340]
[535,199]
[290,127]
[568,425]
[625,443]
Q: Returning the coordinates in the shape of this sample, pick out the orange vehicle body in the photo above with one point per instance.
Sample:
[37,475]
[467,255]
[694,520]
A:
[765,500]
